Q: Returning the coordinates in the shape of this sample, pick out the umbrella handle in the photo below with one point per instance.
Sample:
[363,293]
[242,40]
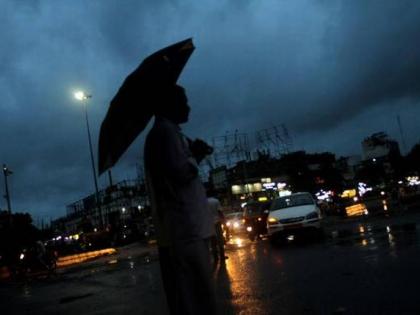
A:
[207,150]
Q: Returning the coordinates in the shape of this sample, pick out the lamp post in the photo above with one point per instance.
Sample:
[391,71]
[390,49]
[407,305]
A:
[82,97]
[7,172]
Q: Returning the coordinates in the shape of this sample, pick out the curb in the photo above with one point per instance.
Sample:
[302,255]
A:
[78,258]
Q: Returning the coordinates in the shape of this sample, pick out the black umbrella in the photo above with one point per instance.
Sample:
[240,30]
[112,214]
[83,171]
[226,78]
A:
[132,107]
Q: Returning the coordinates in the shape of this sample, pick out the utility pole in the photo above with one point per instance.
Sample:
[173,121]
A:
[110,177]
[7,172]
[401,134]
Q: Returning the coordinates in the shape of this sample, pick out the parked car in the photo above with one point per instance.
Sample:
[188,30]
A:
[293,214]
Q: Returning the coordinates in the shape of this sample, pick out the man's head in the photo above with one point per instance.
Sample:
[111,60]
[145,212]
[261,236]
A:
[173,104]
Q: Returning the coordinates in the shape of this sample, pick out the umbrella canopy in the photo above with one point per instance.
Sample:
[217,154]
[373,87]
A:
[132,107]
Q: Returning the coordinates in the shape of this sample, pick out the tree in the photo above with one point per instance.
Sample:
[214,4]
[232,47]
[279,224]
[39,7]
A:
[412,160]
[18,233]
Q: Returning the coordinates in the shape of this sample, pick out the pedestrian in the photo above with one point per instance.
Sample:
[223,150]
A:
[217,241]
[179,206]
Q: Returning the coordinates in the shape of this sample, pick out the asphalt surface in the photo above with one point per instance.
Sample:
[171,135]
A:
[373,268]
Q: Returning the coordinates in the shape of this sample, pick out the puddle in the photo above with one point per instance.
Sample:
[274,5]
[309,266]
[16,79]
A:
[72,298]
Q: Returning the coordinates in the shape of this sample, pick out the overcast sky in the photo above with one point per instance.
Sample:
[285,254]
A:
[333,71]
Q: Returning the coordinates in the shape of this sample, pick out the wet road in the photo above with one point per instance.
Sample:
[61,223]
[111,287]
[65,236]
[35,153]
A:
[372,272]
[375,271]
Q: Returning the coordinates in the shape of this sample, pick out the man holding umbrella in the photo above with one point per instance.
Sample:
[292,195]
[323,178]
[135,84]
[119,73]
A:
[178,197]
[180,207]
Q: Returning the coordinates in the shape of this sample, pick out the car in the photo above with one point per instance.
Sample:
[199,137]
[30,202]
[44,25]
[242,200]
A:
[292,214]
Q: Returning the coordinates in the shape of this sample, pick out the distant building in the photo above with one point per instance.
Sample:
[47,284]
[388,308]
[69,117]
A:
[382,159]
[267,177]
[348,166]
[117,202]
[379,145]
[218,177]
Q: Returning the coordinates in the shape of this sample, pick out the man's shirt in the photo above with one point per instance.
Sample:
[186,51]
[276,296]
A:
[178,197]
[214,208]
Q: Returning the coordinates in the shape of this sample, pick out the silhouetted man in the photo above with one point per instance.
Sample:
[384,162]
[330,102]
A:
[217,241]
[183,222]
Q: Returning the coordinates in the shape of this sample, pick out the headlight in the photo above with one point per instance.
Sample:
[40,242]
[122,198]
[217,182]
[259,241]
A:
[312,215]
[235,225]
[272,220]
[228,223]
[249,228]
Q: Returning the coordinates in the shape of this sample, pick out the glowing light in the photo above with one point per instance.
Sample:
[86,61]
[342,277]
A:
[323,195]
[272,220]
[123,209]
[283,193]
[361,229]
[364,242]
[95,230]
[249,228]
[235,225]
[236,189]
[22,256]
[382,193]
[262,199]
[348,193]
[413,180]
[355,199]
[290,237]
[80,95]
[281,186]
[239,242]
[363,188]
[357,209]
[388,229]
[259,219]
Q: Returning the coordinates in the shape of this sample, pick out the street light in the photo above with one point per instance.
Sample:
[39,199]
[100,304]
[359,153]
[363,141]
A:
[82,97]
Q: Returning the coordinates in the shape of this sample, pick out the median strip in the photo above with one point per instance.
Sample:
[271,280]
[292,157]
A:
[78,258]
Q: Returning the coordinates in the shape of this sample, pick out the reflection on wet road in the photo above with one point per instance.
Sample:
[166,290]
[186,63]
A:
[374,271]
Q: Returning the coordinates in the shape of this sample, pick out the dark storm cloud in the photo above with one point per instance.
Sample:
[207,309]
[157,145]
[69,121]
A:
[322,67]
[375,56]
